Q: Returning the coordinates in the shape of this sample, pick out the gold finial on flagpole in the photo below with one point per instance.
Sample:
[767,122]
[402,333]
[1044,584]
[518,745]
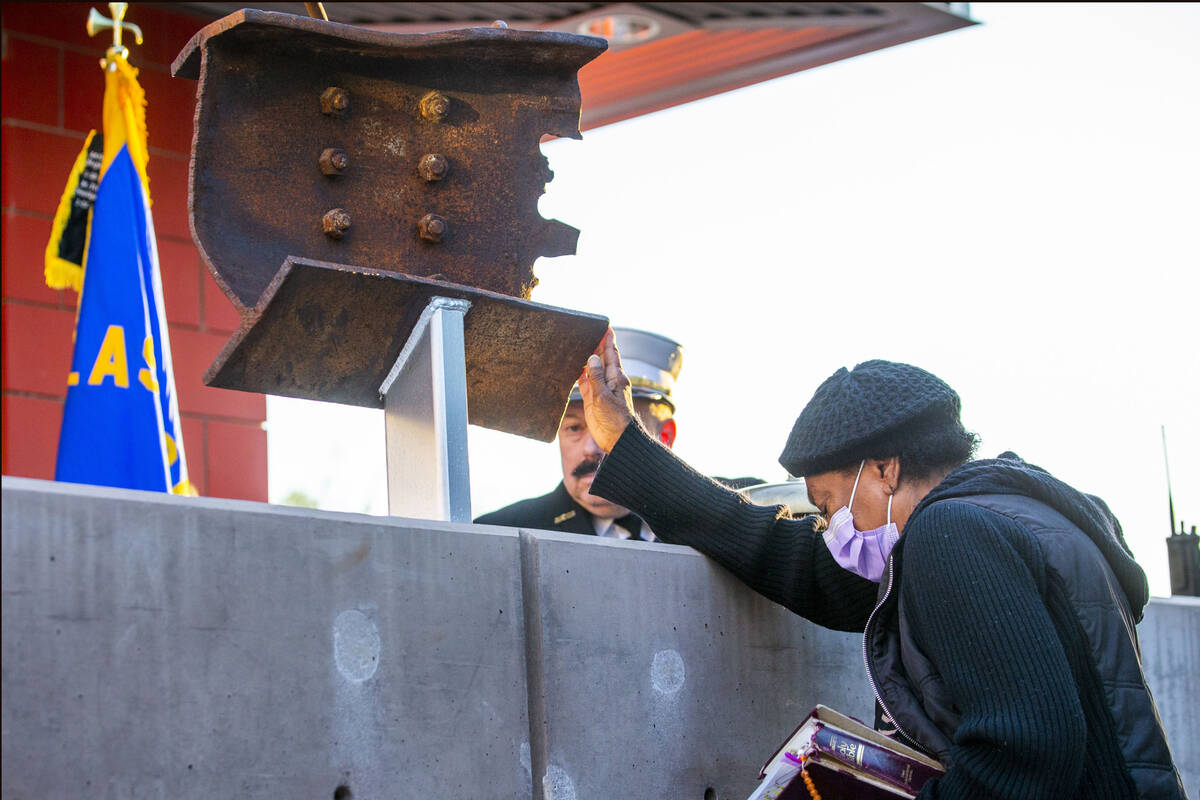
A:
[97,22]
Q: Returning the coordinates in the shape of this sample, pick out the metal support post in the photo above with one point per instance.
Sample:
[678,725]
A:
[425,418]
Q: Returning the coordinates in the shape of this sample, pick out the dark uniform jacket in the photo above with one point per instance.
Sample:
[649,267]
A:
[555,511]
[558,511]
[1001,638]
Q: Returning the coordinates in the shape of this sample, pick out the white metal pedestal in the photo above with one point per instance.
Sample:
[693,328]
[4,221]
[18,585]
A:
[425,418]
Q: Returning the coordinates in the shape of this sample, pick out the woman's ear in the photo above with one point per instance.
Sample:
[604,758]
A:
[889,471]
[667,434]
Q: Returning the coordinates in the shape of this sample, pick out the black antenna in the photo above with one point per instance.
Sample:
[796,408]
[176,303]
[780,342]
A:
[1167,467]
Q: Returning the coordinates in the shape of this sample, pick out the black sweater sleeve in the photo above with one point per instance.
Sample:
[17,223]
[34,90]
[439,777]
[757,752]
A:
[977,613]
[783,559]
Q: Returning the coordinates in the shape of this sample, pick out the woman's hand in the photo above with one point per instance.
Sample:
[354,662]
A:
[607,400]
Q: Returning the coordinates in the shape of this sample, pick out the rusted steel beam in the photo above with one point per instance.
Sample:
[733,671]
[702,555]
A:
[332,332]
[414,153]
[318,145]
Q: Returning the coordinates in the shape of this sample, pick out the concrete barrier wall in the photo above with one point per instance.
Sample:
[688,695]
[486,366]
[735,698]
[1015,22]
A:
[1169,634]
[162,647]
[165,648]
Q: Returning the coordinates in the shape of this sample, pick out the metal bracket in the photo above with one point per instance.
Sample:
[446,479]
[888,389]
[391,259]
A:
[425,418]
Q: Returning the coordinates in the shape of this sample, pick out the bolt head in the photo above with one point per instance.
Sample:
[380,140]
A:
[432,228]
[433,167]
[434,106]
[335,222]
[333,161]
[334,100]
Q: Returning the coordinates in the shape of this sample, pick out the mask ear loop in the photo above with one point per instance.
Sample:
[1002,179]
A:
[850,505]
[889,519]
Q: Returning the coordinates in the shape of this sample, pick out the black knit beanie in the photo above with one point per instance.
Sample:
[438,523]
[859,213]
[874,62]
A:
[854,408]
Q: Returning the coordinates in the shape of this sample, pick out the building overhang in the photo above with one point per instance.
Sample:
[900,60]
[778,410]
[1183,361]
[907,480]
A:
[665,54]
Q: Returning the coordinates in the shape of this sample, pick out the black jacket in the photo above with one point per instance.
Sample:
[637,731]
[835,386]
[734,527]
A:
[555,511]
[1003,559]
[558,511]
[1003,641]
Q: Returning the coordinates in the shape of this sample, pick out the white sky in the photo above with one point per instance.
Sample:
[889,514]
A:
[1012,207]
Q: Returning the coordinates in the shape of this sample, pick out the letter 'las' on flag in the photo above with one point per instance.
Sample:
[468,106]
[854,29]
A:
[121,424]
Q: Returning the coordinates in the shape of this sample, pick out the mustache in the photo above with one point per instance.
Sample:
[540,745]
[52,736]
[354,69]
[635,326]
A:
[587,467]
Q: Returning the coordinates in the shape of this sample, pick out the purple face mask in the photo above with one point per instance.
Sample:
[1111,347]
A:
[864,553]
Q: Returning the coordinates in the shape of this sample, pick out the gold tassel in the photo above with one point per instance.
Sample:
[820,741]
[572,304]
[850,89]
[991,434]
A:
[60,273]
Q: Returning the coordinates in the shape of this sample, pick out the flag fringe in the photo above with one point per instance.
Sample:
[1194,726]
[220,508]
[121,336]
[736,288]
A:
[125,112]
[60,273]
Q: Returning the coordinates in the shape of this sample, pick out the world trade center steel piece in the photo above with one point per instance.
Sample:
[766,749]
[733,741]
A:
[341,178]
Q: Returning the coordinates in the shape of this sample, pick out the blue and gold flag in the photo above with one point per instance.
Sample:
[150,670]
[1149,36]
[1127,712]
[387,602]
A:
[121,424]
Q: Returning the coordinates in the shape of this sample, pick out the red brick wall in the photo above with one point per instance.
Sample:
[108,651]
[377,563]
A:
[52,93]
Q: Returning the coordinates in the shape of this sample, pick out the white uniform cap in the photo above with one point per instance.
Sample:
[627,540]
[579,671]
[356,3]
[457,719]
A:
[651,361]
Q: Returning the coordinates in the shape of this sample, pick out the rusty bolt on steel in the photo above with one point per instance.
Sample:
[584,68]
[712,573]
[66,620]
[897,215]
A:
[433,167]
[333,161]
[335,222]
[434,106]
[334,100]
[431,228]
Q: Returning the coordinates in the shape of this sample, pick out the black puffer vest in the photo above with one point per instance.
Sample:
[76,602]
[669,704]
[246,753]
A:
[909,689]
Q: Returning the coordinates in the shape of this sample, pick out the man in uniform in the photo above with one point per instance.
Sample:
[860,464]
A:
[652,363]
